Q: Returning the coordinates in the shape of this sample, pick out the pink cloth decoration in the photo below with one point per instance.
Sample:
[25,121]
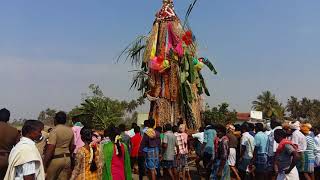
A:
[156,63]
[179,49]
[172,38]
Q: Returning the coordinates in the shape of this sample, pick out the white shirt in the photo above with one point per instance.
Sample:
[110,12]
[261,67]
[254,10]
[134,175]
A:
[317,150]
[267,133]
[299,139]
[199,136]
[248,141]
[29,168]
[275,144]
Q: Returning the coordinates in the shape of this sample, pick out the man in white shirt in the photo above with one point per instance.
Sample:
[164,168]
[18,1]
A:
[317,152]
[272,146]
[297,137]
[300,140]
[246,150]
[25,162]
[199,136]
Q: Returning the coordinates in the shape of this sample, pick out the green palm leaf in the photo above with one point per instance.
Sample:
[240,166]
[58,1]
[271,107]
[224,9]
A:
[206,91]
[209,65]
[134,51]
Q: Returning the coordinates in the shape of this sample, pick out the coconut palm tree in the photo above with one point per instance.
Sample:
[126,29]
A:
[306,107]
[294,106]
[267,103]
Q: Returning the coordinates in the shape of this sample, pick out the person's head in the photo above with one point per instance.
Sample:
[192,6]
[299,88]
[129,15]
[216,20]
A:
[86,135]
[295,125]
[96,137]
[268,127]
[207,122]
[316,130]
[158,129]
[167,127]
[274,123]
[305,128]
[133,125]
[32,129]
[230,128]
[259,127]
[114,134]
[180,121]
[287,129]
[122,127]
[75,119]
[245,127]
[221,130]
[279,134]
[238,127]
[146,123]
[106,131]
[201,129]
[4,115]
[60,118]
[136,129]
[182,128]
[251,126]
[175,128]
[152,123]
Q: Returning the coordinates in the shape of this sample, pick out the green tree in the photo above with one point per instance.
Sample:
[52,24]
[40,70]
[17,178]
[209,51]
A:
[98,112]
[42,116]
[293,107]
[315,115]
[279,111]
[47,116]
[306,108]
[220,114]
[268,104]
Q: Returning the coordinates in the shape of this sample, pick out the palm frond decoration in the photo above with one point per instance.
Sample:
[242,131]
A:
[209,65]
[206,91]
[190,8]
[134,51]
[140,80]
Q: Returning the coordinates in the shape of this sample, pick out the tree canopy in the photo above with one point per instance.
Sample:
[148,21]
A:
[269,105]
[220,114]
[98,111]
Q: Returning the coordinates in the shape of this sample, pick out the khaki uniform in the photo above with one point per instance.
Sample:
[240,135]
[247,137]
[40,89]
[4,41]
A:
[60,166]
[8,138]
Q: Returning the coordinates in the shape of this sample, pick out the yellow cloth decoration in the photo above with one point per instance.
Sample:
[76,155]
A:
[154,45]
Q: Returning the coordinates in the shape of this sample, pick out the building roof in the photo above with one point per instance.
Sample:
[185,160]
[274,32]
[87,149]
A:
[243,116]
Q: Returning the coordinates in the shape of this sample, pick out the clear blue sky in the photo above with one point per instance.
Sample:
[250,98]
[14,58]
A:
[50,51]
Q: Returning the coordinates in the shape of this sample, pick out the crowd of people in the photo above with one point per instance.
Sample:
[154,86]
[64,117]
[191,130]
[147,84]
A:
[282,151]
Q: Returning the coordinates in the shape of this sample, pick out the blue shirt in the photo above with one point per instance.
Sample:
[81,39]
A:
[209,135]
[260,141]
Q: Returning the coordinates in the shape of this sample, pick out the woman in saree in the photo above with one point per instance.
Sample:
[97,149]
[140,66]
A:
[116,158]
[87,158]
